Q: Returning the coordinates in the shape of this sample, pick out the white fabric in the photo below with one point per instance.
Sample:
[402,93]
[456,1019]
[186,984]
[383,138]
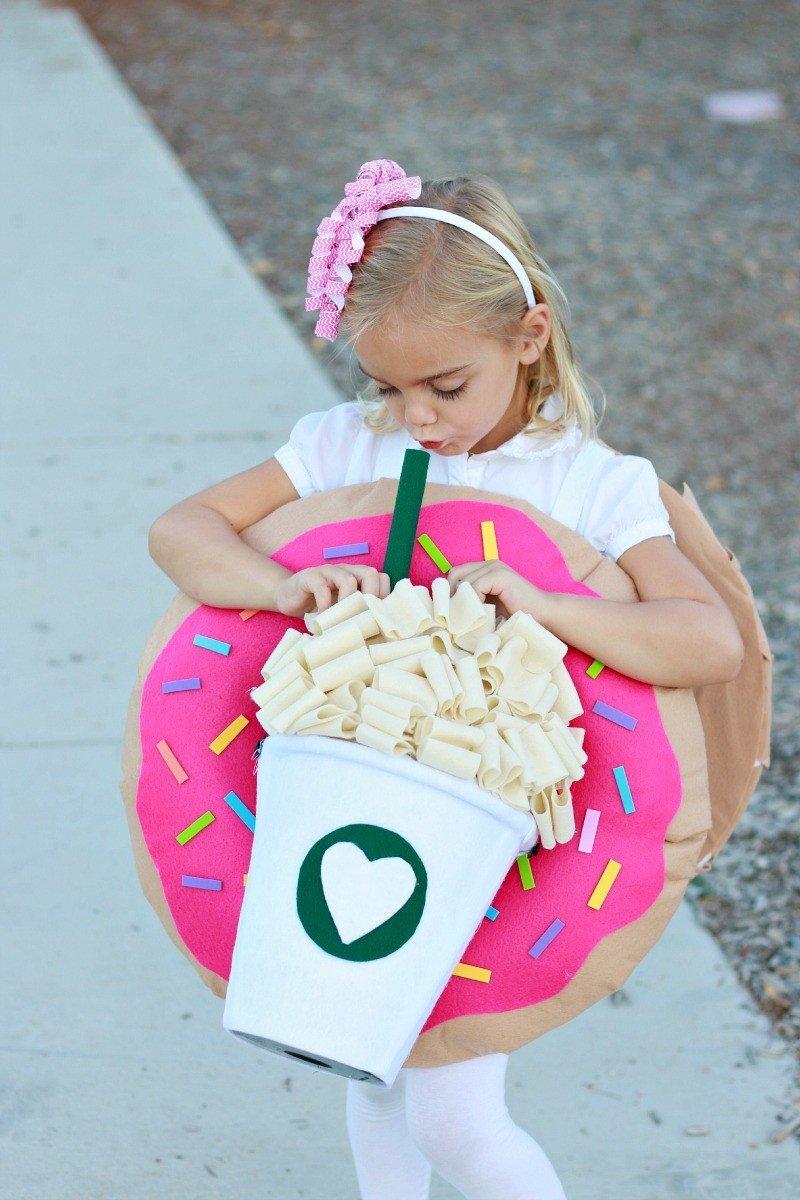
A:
[452,1118]
[621,506]
[359,1018]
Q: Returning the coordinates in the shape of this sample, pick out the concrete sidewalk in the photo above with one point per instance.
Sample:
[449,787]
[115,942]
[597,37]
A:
[142,361]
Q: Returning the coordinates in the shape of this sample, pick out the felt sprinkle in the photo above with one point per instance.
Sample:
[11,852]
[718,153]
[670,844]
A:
[614,714]
[207,643]
[489,540]
[241,810]
[342,551]
[196,827]
[604,884]
[465,971]
[492,913]
[623,787]
[586,844]
[244,881]
[197,881]
[228,734]
[525,872]
[171,761]
[180,685]
[433,551]
[544,941]
[595,668]
[247,613]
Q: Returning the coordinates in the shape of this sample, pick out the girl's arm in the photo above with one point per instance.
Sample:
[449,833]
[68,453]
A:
[197,543]
[679,634]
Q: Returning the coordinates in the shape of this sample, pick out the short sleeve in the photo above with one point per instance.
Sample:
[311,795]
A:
[316,454]
[623,506]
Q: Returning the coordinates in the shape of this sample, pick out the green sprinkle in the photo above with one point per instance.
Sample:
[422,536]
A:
[196,826]
[525,872]
[434,552]
[595,669]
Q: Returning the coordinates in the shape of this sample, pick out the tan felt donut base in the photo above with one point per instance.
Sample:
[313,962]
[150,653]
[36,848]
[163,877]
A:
[722,716]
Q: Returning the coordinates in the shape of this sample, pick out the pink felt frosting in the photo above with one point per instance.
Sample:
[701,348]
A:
[565,877]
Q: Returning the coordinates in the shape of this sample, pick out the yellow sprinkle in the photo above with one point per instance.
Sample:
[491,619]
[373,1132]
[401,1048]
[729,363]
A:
[604,884]
[489,540]
[482,974]
[244,880]
[226,737]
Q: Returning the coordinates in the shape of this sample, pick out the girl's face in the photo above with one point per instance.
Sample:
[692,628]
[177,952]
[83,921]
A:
[453,386]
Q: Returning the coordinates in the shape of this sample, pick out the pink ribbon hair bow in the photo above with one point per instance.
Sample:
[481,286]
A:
[340,237]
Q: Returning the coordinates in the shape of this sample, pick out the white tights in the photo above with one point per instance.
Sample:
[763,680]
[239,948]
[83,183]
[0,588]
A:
[453,1119]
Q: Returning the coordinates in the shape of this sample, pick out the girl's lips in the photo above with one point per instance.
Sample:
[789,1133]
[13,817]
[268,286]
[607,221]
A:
[432,445]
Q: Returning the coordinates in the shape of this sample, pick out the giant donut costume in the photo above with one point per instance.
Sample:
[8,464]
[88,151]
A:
[691,758]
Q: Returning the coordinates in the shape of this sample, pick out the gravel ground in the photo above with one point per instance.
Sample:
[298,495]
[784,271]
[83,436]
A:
[675,239]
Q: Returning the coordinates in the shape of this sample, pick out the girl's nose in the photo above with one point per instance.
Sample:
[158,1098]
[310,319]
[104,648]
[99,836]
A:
[420,415]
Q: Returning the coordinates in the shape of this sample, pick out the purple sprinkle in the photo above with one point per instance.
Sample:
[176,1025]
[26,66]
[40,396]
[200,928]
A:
[614,714]
[180,685]
[197,881]
[341,551]
[546,938]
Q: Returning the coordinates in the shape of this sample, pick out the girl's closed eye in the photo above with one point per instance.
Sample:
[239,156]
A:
[454,394]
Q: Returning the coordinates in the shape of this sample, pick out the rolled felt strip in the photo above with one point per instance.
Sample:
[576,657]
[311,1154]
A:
[563,814]
[544,821]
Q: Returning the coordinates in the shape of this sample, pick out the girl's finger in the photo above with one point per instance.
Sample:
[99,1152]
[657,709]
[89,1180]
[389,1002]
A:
[466,573]
[375,582]
[344,580]
[322,595]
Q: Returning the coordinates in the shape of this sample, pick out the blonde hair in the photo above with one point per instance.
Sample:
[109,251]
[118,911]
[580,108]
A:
[436,274]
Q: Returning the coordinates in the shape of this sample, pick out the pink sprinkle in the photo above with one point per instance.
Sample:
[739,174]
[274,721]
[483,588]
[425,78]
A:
[586,844]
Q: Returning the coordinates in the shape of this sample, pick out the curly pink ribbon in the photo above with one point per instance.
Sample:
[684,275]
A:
[340,237]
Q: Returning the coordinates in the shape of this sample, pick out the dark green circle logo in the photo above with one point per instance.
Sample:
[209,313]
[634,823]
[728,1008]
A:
[350,868]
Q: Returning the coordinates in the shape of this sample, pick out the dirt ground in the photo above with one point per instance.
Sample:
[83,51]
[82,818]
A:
[675,238]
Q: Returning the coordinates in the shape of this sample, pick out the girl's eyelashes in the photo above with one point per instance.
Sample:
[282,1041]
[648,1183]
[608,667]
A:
[453,395]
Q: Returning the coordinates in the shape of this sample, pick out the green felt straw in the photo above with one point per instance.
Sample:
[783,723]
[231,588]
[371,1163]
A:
[405,518]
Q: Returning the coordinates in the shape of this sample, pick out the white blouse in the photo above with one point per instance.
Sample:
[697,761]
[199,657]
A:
[613,501]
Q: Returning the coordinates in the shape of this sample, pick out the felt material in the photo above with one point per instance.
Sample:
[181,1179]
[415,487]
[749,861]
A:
[408,859]
[455,1033]
[402,531]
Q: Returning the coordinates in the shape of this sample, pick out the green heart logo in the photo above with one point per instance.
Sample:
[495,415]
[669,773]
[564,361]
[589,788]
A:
[361,878]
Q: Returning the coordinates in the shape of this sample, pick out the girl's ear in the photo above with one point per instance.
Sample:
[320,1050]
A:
[535,333]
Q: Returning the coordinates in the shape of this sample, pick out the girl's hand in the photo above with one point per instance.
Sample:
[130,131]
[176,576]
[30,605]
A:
[311,589]
[495,578]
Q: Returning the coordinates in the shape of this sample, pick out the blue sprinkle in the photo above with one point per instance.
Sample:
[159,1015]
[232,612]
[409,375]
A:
[241,810]
[624,789]
[208,643]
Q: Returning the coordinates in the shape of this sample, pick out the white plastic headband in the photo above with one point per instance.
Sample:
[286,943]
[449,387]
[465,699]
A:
[442,214]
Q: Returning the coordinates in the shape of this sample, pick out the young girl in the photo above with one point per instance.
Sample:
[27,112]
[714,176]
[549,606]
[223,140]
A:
[458,323]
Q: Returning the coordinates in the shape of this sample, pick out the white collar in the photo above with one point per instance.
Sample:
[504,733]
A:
[525,444]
